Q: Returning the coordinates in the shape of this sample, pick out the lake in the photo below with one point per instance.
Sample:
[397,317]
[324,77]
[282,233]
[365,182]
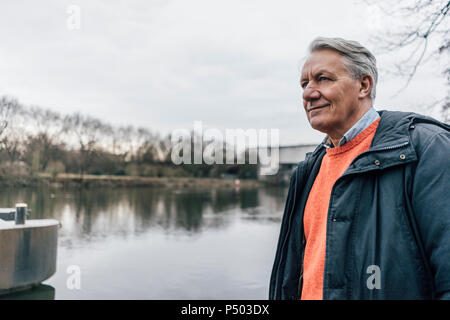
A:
[149,243]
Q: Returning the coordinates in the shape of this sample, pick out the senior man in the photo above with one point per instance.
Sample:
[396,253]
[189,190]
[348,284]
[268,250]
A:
[368,212]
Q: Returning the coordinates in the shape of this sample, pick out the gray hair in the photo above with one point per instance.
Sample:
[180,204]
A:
[357,59]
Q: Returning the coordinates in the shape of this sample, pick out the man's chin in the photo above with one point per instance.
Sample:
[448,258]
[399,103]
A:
[319,124]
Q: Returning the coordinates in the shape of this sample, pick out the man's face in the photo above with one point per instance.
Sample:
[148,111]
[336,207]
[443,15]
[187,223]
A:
[330,94]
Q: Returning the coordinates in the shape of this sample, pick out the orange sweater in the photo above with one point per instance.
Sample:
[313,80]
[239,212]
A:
[333,165]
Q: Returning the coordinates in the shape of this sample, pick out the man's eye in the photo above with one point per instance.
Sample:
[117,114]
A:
[304,84]
[323,78]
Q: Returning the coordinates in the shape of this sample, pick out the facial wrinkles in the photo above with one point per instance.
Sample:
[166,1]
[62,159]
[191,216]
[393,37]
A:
[315,65]
[320,65]
[316,97]
[312,74]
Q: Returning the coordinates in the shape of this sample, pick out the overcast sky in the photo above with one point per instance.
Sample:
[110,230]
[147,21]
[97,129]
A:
[165,64]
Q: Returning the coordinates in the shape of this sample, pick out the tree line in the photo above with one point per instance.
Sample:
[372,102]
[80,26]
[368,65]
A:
[36,140]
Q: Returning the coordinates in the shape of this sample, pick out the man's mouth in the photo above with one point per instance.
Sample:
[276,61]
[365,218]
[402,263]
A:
[318,107]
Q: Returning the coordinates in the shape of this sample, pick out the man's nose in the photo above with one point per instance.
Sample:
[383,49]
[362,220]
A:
[310,93]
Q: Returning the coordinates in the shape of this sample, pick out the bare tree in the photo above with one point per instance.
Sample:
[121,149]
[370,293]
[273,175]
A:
[145,143]
[12,130]
[126,145]
[9,107]
[419,31]
[46,128]
[133,143]
[12,143]
[163,146]
[87,132]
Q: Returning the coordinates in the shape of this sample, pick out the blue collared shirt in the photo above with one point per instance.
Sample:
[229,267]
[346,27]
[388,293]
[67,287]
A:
[366,120]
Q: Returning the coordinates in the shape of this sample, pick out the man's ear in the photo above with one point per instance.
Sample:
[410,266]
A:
[366,82]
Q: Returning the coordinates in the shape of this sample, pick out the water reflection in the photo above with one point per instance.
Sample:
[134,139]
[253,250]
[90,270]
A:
[91,214]
[40,292]
[149,243]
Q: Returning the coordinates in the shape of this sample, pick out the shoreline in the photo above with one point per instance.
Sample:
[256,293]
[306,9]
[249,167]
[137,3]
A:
[75,180]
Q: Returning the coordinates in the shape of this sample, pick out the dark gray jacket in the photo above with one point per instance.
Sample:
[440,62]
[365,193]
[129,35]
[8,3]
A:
[389,210]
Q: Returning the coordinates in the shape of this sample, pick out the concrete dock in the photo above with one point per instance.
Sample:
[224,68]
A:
[27,253]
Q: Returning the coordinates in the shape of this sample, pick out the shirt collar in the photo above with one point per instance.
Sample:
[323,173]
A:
[366,120]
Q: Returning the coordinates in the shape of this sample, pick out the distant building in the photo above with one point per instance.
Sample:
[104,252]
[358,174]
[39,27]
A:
[289,157]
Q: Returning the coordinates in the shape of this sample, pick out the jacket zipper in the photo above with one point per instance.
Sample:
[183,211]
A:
[393,147]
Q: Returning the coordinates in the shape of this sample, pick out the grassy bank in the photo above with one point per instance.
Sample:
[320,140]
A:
[75,180]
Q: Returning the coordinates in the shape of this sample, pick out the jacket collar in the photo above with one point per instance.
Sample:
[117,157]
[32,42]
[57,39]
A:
[366,120]
[391,144]
[392,129]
